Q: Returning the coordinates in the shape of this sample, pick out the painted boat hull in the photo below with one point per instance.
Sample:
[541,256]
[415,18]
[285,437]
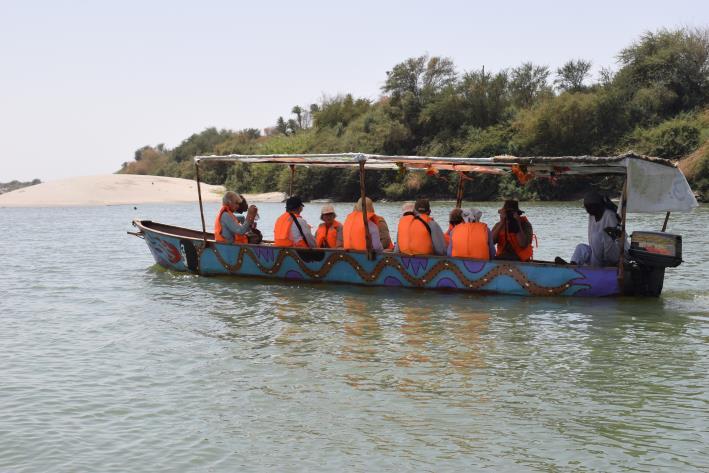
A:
[180,249]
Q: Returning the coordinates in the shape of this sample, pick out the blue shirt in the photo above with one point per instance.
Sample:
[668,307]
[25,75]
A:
[231,227]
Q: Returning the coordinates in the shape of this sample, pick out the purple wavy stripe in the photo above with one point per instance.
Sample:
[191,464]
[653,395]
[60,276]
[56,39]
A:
[446,282]
[474,266]
[292,274]
[392,281]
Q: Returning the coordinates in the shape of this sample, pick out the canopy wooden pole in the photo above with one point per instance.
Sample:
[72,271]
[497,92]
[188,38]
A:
[365,220]
[664,225]
[292,177]
[459,194]
[201,208]
[624,204]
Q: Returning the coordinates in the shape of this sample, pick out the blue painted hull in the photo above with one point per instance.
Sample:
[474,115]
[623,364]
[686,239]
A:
[181,252]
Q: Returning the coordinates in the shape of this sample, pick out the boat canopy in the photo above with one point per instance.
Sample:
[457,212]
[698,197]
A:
[654,184]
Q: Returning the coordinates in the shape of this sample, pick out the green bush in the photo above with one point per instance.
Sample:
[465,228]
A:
[510,188]
[573,123]
[699,177]
[479,142]
[670,139]
[395,191]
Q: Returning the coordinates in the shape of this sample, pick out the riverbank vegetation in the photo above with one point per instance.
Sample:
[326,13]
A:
[14,185]
[656,102]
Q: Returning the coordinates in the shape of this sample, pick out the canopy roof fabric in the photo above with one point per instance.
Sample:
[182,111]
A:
[542,166]
[654,184]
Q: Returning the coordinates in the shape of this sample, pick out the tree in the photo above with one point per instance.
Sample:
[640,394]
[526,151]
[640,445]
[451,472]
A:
[281,126]
[292,127]
[485,96]
[528,83]
[200,143]
[671,69]
[571,75]
[420,75]
[298,112]
[606,76]
[339,110]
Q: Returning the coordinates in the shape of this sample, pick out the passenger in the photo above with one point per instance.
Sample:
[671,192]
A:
[354,237]
[329,233]
[604,247]
[454,218]
[418,233]
[471,238]
[286,233]
[407,208]
[230,228]
[513,234]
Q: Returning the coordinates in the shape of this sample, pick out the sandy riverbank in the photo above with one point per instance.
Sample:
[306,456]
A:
[119,189]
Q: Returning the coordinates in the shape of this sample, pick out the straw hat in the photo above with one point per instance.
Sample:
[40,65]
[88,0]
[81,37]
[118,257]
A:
[358,205]
[327,209]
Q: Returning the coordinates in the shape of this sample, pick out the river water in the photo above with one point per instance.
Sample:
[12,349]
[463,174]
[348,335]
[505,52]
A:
[110,363]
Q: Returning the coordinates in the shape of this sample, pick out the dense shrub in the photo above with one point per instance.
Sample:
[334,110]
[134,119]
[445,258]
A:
[671,139]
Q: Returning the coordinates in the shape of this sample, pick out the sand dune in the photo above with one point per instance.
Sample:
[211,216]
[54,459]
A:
[119,189]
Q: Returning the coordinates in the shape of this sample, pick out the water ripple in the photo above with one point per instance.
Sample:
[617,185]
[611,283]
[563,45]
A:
[110,363]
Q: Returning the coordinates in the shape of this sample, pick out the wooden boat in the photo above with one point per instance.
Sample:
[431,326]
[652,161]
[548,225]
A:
[652,185]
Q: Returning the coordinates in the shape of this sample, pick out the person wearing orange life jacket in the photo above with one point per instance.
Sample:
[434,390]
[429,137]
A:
[353,234]
[407,209]
[471,238]
[230,228]
[329,233]
[291,229]
[418,233]
[513,234]
[454,218]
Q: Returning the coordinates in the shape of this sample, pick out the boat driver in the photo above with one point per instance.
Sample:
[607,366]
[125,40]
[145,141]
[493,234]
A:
[604,246]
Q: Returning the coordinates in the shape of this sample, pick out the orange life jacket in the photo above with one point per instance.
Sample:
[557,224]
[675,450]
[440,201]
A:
[353,235]
[504,238]
[470,240]
[413,237]
[327,237]
[281,231]
[218,228]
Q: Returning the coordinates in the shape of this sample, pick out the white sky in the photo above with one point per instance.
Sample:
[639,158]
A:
[84,84]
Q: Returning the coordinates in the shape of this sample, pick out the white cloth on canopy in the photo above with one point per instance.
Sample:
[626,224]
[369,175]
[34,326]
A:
[657,188]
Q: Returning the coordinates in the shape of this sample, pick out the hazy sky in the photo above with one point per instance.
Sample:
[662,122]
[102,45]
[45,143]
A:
[84,84]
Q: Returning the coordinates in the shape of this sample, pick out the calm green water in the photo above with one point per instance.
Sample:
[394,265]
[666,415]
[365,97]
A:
[111,364]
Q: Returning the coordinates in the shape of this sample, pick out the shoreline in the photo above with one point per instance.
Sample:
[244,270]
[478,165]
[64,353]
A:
[119,189]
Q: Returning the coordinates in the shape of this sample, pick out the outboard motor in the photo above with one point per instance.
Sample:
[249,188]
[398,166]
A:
[648,256]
